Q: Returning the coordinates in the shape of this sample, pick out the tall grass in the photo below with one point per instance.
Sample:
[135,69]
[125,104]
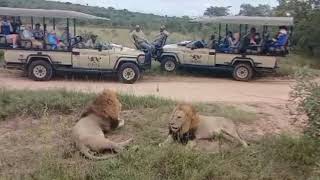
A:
[289,65]
[273,158]
[307,93]
[39,103]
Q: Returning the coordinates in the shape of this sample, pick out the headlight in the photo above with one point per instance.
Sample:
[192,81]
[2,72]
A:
[141,59]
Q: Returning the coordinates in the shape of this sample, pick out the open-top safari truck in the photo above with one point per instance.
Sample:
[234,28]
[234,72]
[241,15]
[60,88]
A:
[42,63]
[244,63]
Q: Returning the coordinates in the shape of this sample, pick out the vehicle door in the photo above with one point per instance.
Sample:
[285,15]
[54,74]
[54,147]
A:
[196,56]
[91,59]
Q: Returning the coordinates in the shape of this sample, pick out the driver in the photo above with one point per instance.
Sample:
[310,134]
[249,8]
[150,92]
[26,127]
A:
[140,40]
[92,42]
[161,37]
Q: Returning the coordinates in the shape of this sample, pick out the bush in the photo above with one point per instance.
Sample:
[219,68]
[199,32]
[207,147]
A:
[307,93]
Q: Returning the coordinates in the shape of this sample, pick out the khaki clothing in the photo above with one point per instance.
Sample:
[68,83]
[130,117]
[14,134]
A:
[138,37]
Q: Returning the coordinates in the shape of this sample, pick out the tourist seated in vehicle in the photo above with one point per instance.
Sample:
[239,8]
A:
[161,38]
[64,37]
[212,42]
[8,33]
[230,43]
[250,42]
[280,42]
[91,42]
[142,43]
[54,41]
[38,33]
[27,36]
[197,44]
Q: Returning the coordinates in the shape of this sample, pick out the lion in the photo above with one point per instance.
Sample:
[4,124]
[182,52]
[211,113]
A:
[100,117]
[186,126]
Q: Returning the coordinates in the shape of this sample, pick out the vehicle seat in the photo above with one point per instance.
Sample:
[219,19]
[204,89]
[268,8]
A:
[279,49]
[25,43]
[3,41]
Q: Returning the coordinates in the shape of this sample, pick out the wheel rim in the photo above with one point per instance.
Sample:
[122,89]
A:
[169,66]
[39,71]
[128,74]
[242,72]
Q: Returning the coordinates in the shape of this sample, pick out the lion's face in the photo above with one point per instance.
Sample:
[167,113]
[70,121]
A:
[183,119]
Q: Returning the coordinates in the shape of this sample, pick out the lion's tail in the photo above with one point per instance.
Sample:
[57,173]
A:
[85,151]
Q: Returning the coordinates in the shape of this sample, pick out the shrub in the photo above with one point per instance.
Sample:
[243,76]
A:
[307,93]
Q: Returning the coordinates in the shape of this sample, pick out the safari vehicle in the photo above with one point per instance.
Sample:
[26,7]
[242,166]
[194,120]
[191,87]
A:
[41,64]
[243,65]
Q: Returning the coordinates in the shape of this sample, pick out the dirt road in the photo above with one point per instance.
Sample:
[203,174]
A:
[178,88]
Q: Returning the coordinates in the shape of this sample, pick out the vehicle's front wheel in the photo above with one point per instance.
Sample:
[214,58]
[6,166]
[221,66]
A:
[243,72]
[40,71]
[168,64]
[128,73]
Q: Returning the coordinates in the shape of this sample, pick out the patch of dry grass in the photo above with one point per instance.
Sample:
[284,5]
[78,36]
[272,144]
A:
[41,147]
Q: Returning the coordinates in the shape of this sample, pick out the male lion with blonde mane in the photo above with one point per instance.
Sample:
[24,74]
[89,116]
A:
[100,117]
[186,126]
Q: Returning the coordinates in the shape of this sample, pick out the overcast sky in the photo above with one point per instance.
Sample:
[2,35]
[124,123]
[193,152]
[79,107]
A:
[171,7]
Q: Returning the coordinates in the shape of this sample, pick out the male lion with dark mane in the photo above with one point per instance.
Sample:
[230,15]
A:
[100,117]
[186,126]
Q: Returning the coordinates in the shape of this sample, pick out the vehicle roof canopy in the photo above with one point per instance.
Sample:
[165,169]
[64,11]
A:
[250,20]
[5,11]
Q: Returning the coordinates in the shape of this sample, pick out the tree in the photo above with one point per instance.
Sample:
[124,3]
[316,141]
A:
[217,11]
[260,10]
[295,8]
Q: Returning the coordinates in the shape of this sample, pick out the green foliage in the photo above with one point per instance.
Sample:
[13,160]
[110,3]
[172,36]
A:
[217,11]
[260,10]
[273,158]
[306,24]
[307,93]
[307,34]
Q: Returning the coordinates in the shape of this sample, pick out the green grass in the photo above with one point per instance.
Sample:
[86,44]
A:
[43,149]
[273,158]
[50,101]
[40,103]
[289,65]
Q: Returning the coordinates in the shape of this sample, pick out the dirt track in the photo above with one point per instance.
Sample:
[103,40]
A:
[179,88]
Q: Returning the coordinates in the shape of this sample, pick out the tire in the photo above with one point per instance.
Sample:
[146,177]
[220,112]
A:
[40,71]
[128,73]
[243,72]
[168,64]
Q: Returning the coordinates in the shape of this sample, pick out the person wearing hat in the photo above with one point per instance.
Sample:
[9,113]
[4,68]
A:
[140,40]
[38,33]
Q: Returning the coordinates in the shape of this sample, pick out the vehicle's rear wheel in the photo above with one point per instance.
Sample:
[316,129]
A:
[40,70]
[168,64]
[243,72]
[128,73]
